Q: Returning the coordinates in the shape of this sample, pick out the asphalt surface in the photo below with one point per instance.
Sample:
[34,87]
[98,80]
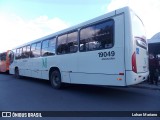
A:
[30,94]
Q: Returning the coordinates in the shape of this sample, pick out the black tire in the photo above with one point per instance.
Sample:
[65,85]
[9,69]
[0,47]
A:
[16,73]
[55,79]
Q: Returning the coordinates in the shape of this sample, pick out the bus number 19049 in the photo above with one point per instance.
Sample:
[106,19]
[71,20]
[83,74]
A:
[107,54]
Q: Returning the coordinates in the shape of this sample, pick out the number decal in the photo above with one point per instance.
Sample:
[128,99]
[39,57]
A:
[106,54]
[100,54]
[112,53]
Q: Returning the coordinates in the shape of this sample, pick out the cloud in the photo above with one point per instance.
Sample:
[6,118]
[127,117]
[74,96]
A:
[147,10]
[16,30]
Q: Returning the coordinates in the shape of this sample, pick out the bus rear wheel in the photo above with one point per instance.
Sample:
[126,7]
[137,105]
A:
[55,79]
[17,73]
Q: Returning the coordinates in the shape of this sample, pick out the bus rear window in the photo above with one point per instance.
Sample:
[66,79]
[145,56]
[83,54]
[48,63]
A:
[141,42]
[138,31]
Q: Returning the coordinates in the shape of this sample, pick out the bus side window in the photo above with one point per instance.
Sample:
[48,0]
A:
[86,38]
[72,42]
[62,44]
[45,46]
[18,53]
[52,45]
[33,48]
[16,56]
[104,34]
[28,51]
[96,37]
[37,52]
[11,57]
[48,47]
[24,52]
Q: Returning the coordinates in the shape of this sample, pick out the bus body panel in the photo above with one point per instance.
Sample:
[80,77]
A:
[28,65]
[98,79]
[133,29]
[68,67]
[36,68]
[45,62]
[110,66]
[98,70]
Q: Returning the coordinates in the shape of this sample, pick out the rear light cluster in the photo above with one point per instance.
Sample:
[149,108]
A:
[134,65]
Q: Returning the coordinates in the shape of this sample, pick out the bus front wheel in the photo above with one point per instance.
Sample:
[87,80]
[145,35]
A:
[55,79]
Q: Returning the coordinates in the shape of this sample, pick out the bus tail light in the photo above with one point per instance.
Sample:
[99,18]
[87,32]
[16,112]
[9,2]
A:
[134,66]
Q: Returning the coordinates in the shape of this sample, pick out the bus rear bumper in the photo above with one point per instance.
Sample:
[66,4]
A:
[135,78]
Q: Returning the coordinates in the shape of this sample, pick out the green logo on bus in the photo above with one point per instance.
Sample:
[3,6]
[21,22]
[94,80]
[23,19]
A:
[44,62]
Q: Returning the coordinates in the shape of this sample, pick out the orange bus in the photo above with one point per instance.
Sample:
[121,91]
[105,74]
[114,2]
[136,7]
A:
[4,61]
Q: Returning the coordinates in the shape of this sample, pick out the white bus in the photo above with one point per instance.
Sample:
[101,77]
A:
[108,50]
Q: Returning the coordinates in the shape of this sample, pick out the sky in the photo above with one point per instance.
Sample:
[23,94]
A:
[22,21]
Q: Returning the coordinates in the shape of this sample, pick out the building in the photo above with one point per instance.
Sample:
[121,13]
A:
[154,44]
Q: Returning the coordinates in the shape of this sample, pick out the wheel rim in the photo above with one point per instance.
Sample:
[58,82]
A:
[56,79]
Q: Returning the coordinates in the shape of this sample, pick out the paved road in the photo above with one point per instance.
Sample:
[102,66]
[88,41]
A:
[30,94]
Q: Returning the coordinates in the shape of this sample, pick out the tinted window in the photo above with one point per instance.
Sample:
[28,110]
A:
[88,33]
[35,49]
[67,43]
[48,47]
[20,54]
[17,53]
[27,51]
[52,45]
[45,45]
[11,57]
[38,46]
[87,36]
[62,44]
[24,52]
[72,42]
[98,36]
